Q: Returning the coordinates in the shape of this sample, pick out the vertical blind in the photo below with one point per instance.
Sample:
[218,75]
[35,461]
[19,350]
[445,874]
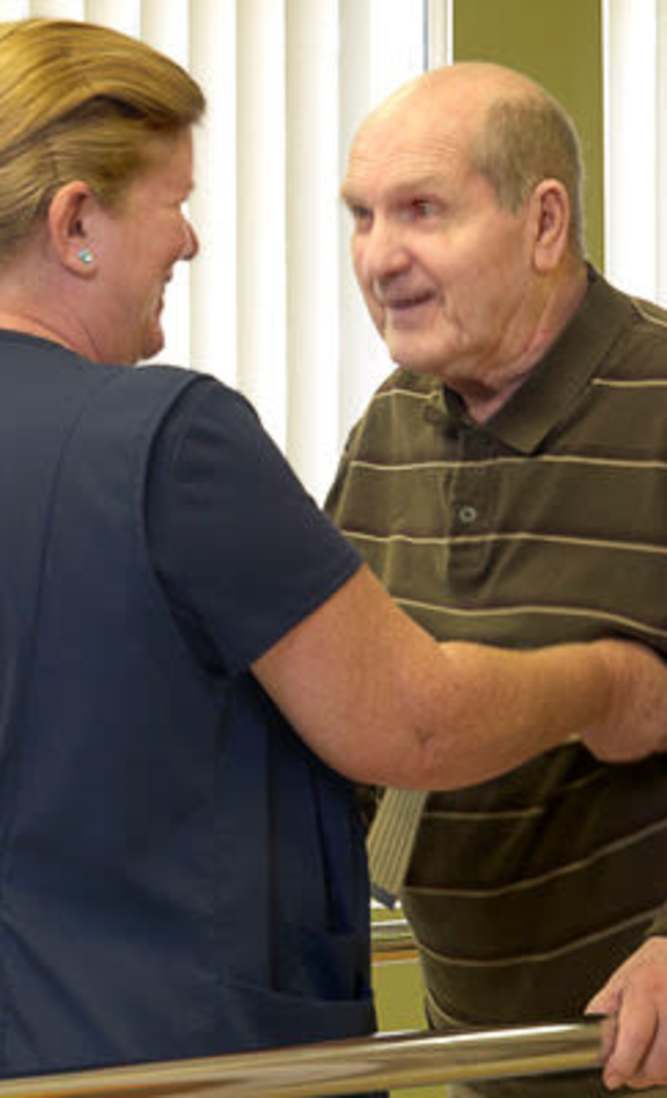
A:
[635,103]
[270,305]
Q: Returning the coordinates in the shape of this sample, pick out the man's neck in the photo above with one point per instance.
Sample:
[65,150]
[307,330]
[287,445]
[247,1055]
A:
[482,402]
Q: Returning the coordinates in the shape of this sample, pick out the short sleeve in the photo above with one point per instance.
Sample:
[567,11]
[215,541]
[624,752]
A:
[242,550]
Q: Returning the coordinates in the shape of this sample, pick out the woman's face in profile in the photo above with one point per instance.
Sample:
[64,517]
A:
[136,248]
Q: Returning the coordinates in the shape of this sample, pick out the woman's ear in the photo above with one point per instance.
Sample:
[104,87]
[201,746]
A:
[69,223]
[552,218]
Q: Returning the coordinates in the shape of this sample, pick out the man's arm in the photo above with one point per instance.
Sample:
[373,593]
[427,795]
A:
[380,701]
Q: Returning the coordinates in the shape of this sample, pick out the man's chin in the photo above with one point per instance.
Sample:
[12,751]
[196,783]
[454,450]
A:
[413,361]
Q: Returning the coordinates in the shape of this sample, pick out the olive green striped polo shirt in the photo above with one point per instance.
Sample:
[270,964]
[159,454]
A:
[546,524]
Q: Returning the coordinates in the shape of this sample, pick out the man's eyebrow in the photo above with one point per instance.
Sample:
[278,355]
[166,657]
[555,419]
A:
[424,184]
[347,195]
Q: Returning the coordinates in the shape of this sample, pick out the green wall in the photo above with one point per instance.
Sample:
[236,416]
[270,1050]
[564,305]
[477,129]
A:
[398,991]
[559,44]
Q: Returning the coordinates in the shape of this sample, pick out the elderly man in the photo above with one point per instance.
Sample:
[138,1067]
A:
[508,484]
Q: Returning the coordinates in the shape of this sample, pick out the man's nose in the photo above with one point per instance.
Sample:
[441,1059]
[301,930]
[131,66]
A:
[385,252]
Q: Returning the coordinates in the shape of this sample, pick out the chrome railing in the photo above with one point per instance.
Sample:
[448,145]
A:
[341,1067]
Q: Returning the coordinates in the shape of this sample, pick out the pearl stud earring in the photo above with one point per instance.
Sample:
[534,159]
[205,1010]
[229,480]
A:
[85,255]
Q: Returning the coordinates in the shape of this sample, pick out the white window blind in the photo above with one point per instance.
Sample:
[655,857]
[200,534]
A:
[270,305]
[635,80]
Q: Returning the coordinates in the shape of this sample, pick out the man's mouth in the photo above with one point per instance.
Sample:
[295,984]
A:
[407,301]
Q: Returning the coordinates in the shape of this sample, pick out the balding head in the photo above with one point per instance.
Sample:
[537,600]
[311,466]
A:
[478,83]
[512,131]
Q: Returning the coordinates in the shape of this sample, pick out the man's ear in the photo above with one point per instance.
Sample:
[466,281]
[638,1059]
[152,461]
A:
[552,218]
[69,222]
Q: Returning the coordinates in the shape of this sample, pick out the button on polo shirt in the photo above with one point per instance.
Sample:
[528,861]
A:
[467,514]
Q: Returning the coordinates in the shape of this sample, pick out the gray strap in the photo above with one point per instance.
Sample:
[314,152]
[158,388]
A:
[390,841]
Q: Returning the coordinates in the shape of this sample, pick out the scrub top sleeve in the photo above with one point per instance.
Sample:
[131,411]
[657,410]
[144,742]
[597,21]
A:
[240,547]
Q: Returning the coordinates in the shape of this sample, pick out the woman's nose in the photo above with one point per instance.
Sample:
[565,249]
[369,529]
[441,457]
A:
[191,243]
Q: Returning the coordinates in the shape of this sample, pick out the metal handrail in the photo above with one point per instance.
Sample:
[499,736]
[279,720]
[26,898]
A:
[341,1067]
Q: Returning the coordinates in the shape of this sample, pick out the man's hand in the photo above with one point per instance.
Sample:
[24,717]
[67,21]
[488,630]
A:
[637,994]
[635,721]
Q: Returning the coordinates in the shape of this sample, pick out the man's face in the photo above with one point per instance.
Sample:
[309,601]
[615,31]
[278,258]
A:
[444,271]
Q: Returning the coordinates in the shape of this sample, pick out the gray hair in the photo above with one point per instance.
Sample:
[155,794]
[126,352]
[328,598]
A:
[523,140]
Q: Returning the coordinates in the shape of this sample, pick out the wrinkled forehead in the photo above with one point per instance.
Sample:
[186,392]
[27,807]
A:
[393,150]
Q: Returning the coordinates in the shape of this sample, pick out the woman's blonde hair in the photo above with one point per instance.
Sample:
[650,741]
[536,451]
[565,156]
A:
[80,101]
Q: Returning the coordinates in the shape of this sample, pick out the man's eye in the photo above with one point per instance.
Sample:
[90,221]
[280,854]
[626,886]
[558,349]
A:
[361,216]
[424,207]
